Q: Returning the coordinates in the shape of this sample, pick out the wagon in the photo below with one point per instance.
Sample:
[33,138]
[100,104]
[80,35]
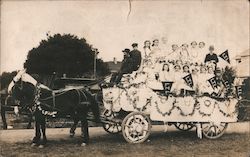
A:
[135,108]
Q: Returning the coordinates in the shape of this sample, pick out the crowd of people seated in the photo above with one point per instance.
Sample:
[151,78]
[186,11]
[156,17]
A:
[153,66]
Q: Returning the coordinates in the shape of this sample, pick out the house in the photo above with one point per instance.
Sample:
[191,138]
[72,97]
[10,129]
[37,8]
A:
[243,64]
[114,65]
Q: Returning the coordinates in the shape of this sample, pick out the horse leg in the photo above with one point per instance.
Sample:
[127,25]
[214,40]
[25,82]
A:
[94,107]
[38,121]
[37,137]
[85,131]
[30,121]
[73,128]
[3,118]
[43,128]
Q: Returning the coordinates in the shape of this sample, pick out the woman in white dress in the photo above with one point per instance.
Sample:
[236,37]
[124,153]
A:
[194,52]
[201,52]
[177,78]
[184,54]
[147,49]
[156,51]
[173,55]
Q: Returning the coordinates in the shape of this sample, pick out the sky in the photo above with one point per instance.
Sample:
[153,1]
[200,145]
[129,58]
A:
[110,26]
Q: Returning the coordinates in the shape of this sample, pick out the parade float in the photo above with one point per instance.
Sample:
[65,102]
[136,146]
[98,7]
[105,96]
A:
[178,92]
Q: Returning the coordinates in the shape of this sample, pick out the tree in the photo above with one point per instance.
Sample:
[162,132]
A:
[63,54]
[6,78]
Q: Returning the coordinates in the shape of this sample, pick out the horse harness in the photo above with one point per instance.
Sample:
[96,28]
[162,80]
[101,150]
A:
[38,105]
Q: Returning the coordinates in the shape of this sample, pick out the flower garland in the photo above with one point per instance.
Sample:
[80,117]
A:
[206,108]
[164,113]
[187,114]
[226,105]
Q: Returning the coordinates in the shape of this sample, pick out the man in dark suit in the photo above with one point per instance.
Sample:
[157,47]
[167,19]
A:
[211,56]
[135,55]
[126,67]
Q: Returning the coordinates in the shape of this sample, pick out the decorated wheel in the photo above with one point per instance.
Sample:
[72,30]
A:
[213,131]
[112,127]
[136,127]
[184,126]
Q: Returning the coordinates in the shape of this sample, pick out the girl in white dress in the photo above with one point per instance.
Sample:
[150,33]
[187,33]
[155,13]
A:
[177,78]
[156,51]
[184,54]
[194,52]
[147,49]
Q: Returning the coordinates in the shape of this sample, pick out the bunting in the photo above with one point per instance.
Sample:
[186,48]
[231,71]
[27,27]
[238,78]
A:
[225,56]
[167,85]
[213,82]
[189,80]
[238,91]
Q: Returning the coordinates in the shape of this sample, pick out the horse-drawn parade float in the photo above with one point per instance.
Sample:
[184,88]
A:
[163,90]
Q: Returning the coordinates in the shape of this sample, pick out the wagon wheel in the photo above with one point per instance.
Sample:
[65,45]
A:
[213,131]
[184,126]
[136,127]
[112,128]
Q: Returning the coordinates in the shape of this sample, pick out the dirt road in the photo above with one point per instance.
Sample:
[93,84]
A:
[173,143]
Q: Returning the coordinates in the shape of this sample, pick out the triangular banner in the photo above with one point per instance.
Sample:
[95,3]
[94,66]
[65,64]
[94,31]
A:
[225,56]
[238,91]
[213,82]
[167,85]
[189,80]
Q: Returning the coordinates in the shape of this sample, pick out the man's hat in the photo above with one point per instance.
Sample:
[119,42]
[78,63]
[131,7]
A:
[126,50]
[134,44]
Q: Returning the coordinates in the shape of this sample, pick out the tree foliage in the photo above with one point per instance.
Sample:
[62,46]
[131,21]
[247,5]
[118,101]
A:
[63,54]
[6,78]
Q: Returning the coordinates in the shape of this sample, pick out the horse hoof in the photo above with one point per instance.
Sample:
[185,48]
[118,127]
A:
[83,144]
[41,146]
[33,145]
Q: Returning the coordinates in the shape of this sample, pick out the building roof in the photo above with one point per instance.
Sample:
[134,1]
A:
[243,54]
[243,67]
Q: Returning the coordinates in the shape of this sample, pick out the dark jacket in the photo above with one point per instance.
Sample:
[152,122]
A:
[135,55]
[212,57]
[127,65]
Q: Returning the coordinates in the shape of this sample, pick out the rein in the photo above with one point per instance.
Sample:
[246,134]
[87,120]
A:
[38,105]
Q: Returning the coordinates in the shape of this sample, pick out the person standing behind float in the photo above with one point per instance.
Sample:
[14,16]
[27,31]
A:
[135,56]
[194,52]
[174,54]
[147,49]
[184,54]
[156,51]
[164,47]
[211,57]
[177,78]
[201,53]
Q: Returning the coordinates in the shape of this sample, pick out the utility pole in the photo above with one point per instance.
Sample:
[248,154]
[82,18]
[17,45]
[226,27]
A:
[95,57]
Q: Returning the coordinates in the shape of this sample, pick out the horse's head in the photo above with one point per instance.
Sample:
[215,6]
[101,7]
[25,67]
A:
[23,88]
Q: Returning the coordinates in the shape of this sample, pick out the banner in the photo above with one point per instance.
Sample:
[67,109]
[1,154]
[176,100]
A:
[189,80]
[167,85]
[225,56]
[226,84]
[238,91]
[213,82]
